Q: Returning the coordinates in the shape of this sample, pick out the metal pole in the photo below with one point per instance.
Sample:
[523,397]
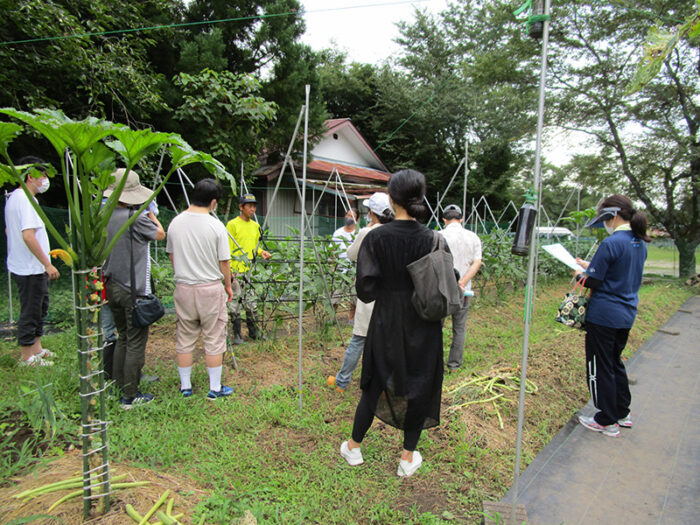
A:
[302,230]
[9,280]
[531,269]
[578,226]
[447,189]
[284,165]
[466,177]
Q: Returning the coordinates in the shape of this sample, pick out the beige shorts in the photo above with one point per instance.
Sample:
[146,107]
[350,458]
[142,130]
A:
[201,309]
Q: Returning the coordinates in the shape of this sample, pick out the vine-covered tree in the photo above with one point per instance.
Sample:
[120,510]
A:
[650,137]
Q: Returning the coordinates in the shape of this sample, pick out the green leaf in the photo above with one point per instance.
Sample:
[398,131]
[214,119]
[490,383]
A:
[133,145]
[182,154]
[99,158]
[8,132]
[39,122]
[8,175]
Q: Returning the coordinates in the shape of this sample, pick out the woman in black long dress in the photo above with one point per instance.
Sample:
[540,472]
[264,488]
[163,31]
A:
[402,365]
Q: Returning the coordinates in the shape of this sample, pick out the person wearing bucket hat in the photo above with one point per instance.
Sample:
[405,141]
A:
[380,212]
[129,352]
[614,275]
[465,246]
[244,242]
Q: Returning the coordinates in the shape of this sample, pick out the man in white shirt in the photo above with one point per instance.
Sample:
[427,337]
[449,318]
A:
[344,237]
[200,253]
[465,246]
[29,262]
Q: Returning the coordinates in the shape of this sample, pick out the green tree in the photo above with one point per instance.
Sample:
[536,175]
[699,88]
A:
[454,79]
[228,114]
[261,38]
[649,138]
[106,75]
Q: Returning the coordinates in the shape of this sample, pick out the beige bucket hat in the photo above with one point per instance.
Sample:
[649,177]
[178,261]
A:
[133,192]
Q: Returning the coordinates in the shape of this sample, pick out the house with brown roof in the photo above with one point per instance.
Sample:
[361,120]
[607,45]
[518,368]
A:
[342,169]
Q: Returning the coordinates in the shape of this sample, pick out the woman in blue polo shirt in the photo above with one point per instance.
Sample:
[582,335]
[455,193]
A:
[614,275]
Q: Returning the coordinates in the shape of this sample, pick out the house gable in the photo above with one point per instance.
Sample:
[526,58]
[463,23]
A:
[343,144]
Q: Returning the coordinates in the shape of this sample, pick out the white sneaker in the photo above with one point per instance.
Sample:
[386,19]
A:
[353,457]
[46,353]
[35,360]
[626,421]
[408,468]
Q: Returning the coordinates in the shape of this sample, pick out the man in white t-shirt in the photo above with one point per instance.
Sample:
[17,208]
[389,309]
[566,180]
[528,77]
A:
[199,250]
[344,237]
[465,246]
[29,262]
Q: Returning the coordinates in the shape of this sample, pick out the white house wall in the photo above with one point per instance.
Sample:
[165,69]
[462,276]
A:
[346,149]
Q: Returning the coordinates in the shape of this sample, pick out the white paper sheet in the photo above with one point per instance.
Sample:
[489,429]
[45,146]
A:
[562,254]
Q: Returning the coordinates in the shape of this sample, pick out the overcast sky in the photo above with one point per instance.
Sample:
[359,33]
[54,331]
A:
[365,29]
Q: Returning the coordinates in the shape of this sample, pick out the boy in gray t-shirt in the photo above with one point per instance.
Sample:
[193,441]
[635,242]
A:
[199,250]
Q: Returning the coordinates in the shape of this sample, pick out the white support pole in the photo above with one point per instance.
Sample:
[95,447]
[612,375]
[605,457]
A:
[302,230]
[76,182]
[284,165]
[432,212]
[531,270]
[342,187]
[9,278]
[578,226]
[182,185]
[571,195]
[466,178]
[316,254]
[439,200]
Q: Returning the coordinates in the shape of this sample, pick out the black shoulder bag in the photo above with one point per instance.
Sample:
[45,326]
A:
[146,310]
[436,292]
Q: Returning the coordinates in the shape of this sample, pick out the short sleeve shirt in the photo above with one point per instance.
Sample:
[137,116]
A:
[618,264]
[20,215]
[197,242]
[343,239]
[465,246]
[247,235]
[118,264]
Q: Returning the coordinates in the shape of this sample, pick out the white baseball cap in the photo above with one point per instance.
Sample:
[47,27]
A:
[378,203]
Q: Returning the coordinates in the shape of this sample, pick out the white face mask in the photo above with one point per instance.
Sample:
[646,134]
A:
[610,228]
[368,217]
[44,186]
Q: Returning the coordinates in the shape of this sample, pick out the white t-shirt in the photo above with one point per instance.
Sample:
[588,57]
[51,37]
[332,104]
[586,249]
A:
[198,242]
[343,239]
[20,215]
[465,246]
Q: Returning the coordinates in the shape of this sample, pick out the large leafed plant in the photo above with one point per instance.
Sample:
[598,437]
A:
[88,151]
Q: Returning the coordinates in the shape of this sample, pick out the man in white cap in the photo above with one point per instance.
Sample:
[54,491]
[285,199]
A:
[130,248]
[465,246]
[29,262]
[380,212]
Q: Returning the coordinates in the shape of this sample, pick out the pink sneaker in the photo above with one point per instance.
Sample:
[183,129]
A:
[626,422]
[607,430]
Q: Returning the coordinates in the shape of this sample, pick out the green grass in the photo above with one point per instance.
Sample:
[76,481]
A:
[255,451]
[663,260]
